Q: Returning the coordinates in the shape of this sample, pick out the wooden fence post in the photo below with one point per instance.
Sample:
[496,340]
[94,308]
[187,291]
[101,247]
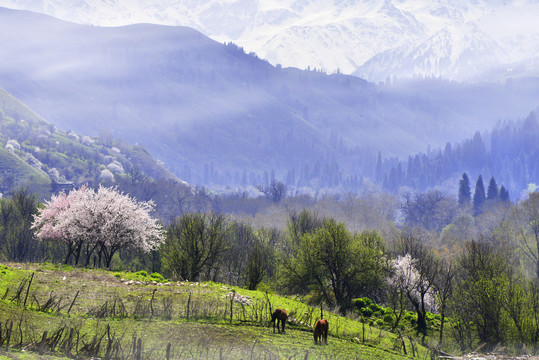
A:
[42,343]
[73,302]
[28,290]
[9,334]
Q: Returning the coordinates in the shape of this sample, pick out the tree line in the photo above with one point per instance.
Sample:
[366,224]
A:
[510,151]
[478,272]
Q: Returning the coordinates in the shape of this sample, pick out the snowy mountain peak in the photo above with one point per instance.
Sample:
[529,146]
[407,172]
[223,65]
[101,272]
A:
[375,39]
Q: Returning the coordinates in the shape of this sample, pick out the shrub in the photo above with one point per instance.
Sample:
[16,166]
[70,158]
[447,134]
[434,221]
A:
[157,276]
[376,308]
[265,288]
[142,273]
[362,302]
[366,311]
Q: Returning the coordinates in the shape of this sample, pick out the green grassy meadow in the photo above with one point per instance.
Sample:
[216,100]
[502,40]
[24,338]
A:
[97,313]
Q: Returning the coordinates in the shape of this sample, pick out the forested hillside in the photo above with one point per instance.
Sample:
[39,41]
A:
[509,152]
[221,117]
[36,155]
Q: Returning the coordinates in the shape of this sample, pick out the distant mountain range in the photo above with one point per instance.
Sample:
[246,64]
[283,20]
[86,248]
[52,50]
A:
[457,40]
[218,116]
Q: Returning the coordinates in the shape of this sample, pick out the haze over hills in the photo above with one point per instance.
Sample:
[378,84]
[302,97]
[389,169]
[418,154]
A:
[216,115]
[458,40]
[35,154]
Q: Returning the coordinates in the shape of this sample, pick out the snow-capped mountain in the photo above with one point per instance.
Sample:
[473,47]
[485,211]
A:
[455,39]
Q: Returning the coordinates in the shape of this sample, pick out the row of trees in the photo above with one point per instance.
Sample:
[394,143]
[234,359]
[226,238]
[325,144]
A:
[480,199]
[488,284]
[211,247]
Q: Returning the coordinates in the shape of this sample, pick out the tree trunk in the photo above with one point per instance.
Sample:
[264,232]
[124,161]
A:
[442,327]
[89,253]
[421,318]
[77,252]
[69,252]
[421,322]
[109,255]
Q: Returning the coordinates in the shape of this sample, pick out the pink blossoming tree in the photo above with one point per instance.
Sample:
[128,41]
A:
[104,221]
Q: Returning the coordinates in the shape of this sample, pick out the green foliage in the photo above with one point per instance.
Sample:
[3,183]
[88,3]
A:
[17,240]
[157,277]
[366,311]
[141,276]
[481,287]
[265,288]
[384,317]
[362,302]
[193,245]
[335,263]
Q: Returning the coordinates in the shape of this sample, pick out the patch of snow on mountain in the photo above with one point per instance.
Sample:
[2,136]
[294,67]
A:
[457,39]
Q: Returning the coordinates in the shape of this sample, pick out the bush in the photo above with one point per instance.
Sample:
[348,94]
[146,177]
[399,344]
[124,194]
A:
[388,318]
[142,273]
[366,311]
[157,276]
[265,288]
[409,316]
[376,308]
[362,302]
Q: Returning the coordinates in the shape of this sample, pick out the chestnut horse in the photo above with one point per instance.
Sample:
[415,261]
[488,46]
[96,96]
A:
[281,316]
[321,331]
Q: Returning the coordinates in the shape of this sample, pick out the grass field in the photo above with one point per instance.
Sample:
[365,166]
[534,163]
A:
[96,313]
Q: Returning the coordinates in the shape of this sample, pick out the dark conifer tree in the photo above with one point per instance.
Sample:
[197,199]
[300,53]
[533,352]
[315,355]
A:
[478,196]
[504,194]
[492,191]
[378,171]
[465,195]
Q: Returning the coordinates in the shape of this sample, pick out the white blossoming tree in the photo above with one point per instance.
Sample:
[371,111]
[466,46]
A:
[104,221]
[407,279]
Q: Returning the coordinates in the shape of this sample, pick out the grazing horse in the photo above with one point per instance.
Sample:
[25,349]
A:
[281,316]
[321,331]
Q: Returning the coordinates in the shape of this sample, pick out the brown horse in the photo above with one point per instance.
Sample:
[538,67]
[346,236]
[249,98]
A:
[321,331]
[281,316]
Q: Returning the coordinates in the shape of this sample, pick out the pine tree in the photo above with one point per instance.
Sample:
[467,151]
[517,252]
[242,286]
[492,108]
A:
[465,196]
[504,194]
[492,192]
[479,196]
[378,171]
